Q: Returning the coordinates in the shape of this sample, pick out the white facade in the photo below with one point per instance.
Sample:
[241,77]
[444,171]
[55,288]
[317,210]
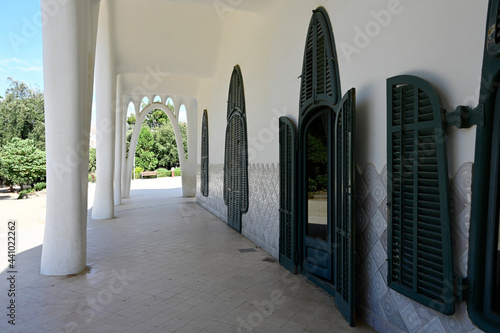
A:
[186,50]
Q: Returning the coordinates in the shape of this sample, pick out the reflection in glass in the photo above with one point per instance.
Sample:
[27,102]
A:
[317,177]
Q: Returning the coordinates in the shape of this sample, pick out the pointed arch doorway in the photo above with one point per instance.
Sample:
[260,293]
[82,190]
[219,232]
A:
[317,220]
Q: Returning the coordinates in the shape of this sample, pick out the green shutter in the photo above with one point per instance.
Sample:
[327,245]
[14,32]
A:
[419,242]
[345,126]
[204,154]
[320,87]
[483,246]
[320,74]
[236,153]
[288,190]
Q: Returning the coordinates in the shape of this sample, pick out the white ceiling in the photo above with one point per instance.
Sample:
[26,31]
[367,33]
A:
[178,37]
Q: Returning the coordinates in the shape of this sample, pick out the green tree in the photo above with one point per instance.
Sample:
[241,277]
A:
[92,160]
[22,114]
[165,146]
[183,129]
[22,163]
[131,120]
[156,118]
[144,155]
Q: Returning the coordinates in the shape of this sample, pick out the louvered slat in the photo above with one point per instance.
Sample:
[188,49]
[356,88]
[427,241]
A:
[344,213]
[236,151]
[288,206]
[320,79]
[419,244]
[204,155]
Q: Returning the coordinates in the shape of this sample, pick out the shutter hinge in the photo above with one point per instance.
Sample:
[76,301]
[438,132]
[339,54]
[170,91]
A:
[466,117]
[463,289]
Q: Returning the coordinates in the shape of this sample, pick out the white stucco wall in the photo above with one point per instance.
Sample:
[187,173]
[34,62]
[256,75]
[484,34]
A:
[441,42]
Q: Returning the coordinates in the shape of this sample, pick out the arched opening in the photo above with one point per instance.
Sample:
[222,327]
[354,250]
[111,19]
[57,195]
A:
[183,125]
[155,143]
[144,102]
[157,99]
[170,104]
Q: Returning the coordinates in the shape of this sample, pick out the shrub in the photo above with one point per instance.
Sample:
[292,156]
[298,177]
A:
[92,178]
[92,160]
[162,172]
[177,172]
[138,171]
[24,193]
[21,162]
[40,186]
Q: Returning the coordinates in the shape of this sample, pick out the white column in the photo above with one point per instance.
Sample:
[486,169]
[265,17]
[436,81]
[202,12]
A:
[188,168]
[69,41]
[118,142]
[123,172]
[129,164]
[105,92]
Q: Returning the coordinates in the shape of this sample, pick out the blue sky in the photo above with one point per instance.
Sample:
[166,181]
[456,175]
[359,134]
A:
[21,43]
[21,46]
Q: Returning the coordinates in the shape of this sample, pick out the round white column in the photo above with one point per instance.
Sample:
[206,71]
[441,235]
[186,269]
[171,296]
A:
[105,92]
[118,142]
[188,168]
[69,41]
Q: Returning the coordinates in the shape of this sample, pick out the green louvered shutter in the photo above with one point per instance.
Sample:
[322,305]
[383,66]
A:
[345,210]
[236,153]
[419,242]
[288,190]
[204,154]
[320,74]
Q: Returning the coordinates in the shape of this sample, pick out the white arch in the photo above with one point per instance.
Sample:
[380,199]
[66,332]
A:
[174,103]
[135,136]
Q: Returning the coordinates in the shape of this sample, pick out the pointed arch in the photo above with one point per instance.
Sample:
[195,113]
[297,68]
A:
[320,72]
[204,154]
[135,136]
[326,169]
[236,153]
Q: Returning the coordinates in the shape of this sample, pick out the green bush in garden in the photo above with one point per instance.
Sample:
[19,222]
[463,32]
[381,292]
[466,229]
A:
[138,171]
[40,186]
[162,172]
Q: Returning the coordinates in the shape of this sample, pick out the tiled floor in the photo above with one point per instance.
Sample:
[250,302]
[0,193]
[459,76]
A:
[165,264]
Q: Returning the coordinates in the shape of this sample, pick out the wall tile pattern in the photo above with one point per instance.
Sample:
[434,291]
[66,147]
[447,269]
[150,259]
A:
[261,223]
[382,308]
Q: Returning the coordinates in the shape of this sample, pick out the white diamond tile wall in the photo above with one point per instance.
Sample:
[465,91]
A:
[383,308]
[261,223]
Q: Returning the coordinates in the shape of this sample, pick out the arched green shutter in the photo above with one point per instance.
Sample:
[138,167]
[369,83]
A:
[288,189]
[236,153]
[204,154]
[320,88]
[345,206]
[419,245]
[320,74]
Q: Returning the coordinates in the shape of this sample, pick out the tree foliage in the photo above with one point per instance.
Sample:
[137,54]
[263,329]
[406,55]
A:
[156,119]
[92,160]
[22,163]
[22,114]
[144,154]
[165,146]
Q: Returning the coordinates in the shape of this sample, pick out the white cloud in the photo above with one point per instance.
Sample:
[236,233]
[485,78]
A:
[30,68]
[10,64]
